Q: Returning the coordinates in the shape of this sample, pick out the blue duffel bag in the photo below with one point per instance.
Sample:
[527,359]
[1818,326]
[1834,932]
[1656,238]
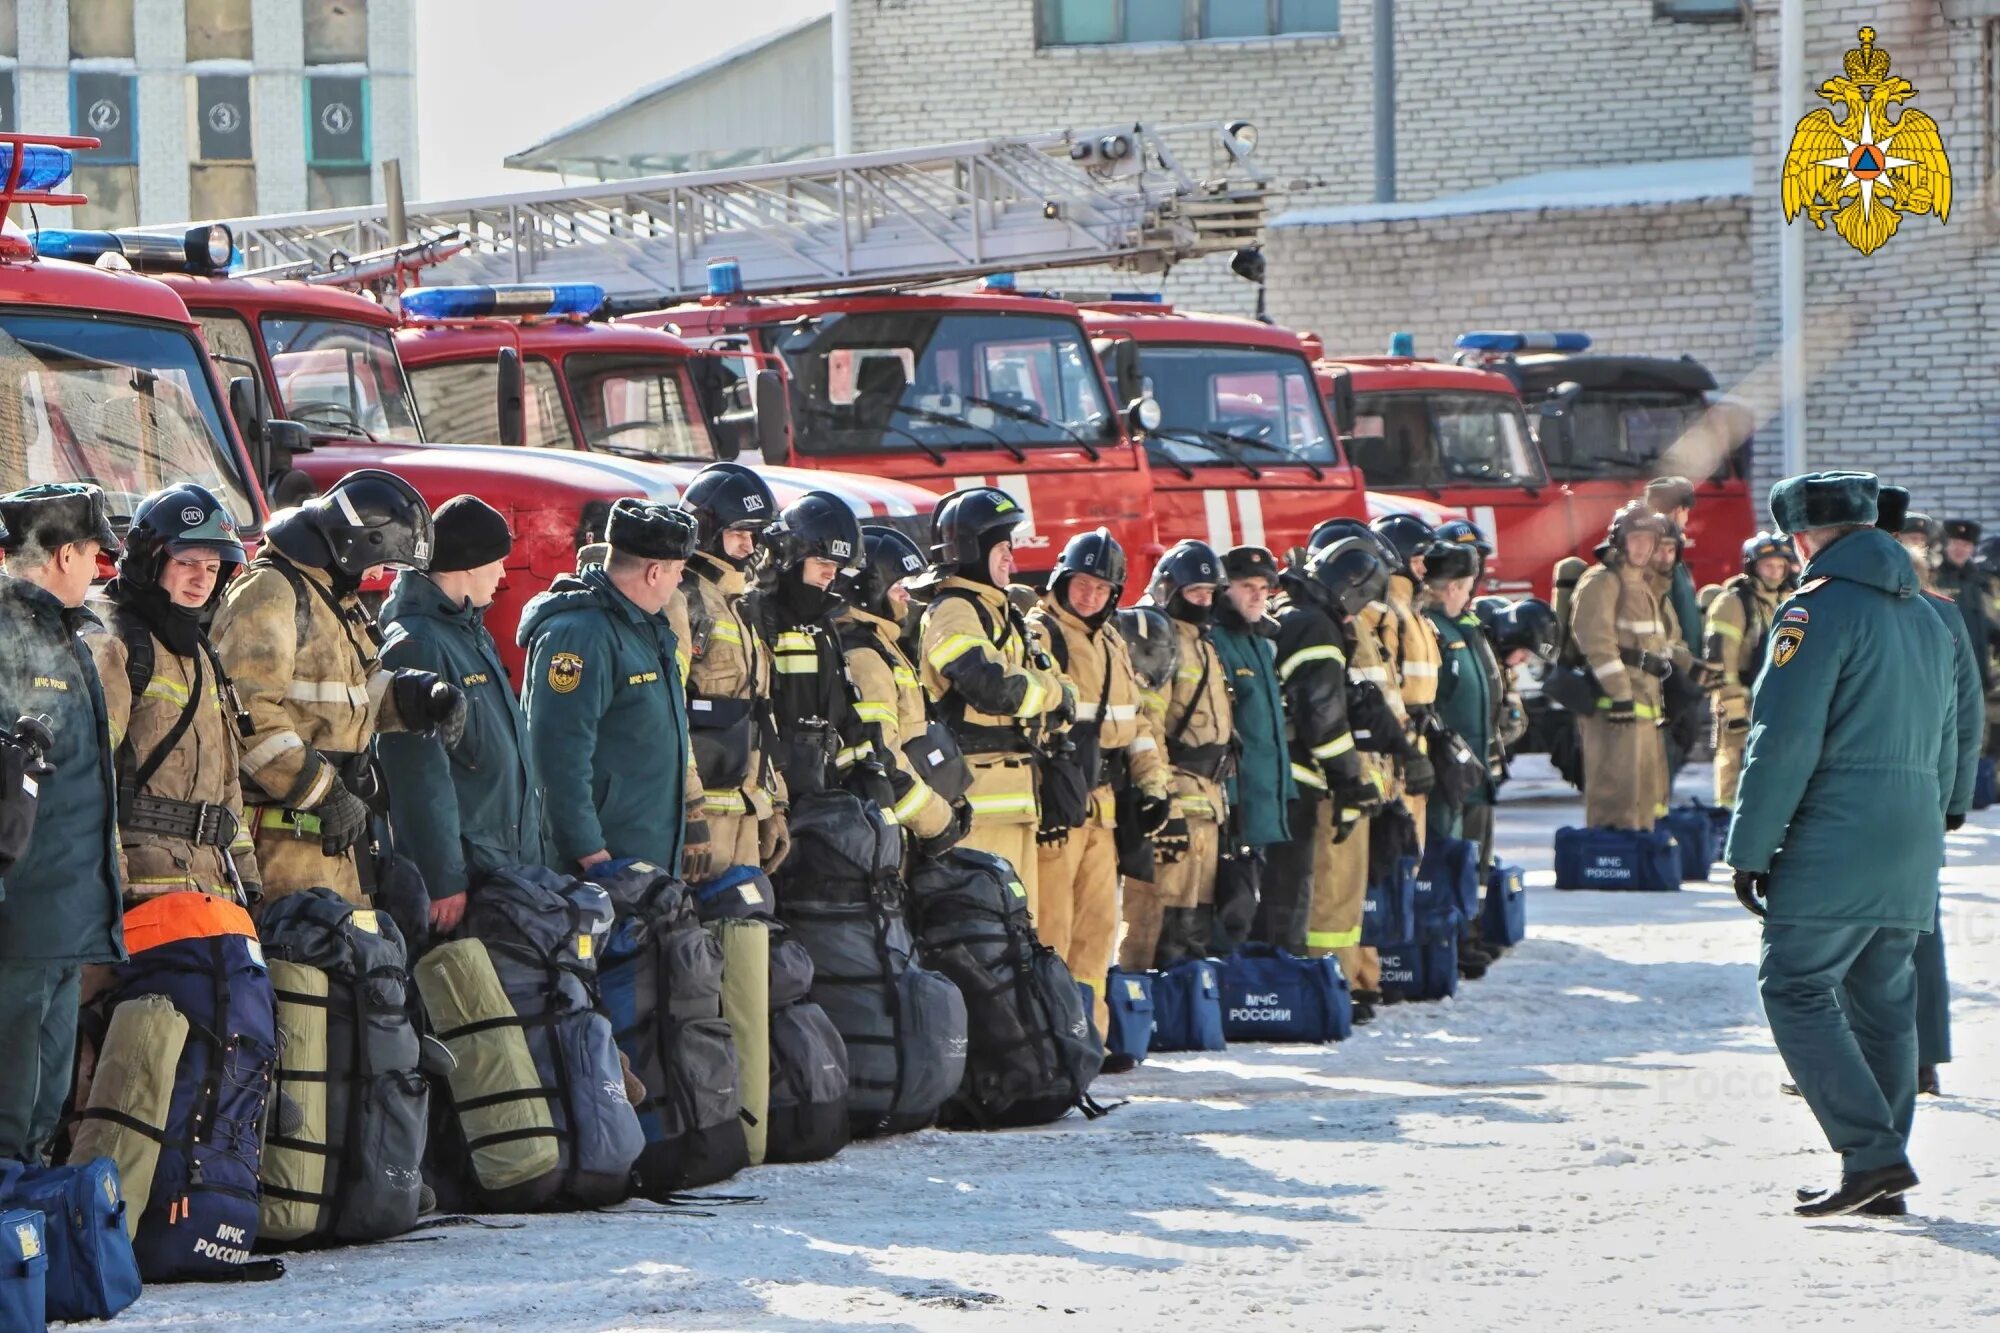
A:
[92,1273]
[1985,785]
[1271,995]
[1613,858]
[1187,1007]
[1128,996]
[1389,915]
[1694,832]
[24,1270]
[1504,918]
[1447,887]
[1420,969]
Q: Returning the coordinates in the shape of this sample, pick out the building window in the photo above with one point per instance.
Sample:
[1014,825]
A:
[1701,11]
[337,122]
[222,118]
[222,189]
[218,29]
[6,101]
[1108,22]
[338,187]
[102,106]
[100,28]
[10,37]
[336,32]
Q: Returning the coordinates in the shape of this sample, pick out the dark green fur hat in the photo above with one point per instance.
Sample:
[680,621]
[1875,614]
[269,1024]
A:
[1824,500]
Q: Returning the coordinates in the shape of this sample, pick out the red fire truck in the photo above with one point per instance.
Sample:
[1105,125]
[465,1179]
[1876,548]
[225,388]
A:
[1243,452]
[105,377]
[944,391]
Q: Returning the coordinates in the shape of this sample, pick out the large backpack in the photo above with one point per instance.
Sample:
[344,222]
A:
[544,933]
[840,892]
[200,954]
[662,984]
[1032,1049]
[348,1016]
[805,1116]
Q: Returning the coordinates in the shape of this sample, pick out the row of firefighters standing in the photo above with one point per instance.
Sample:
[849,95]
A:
[247,729]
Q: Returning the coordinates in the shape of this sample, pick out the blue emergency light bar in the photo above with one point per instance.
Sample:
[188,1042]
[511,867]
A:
[1490,340]
[562,298]
[997,282]
[206,249]
[42,167]
[1404,345]
[725,277]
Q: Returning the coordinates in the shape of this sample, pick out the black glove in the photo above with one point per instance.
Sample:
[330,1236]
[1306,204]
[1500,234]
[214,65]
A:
[1065,712]
[1152,812]
[1736,725]
[1419,776]
[343,820]
[1172,842]
[1657,665]
[697,853]
[1953,823]
[952,834]
[1622,711]
[1057,836]
[1752,885]
[429,703]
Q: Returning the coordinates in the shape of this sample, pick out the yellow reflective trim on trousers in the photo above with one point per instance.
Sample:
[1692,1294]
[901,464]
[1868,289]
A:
[1307,777]
[1002,805]
[724,803]
[1333,939]
[952,648]
[1638,709]
[797,664]
[869,711]
[1321,652]
[1334,748]
[304,825]
[1197,805]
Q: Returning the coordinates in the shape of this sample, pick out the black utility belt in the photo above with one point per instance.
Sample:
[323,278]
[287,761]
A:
[1204,761]
[974,739]
[200,822]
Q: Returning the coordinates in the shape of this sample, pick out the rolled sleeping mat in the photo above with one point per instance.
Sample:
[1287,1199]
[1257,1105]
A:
[746,1007]
[136,1066]
[497,1094]
[297,1163]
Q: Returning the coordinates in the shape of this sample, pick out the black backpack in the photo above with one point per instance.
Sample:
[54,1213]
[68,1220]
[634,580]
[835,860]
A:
[662,985]
[840,893]
[1033,1050]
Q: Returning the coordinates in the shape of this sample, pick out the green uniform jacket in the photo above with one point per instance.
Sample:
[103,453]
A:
[1465,693]
[1687,606]
[1966,586]
[460,815]
[1971,703]
[1262,790]
[1853,746]
[607,722]
[61,902]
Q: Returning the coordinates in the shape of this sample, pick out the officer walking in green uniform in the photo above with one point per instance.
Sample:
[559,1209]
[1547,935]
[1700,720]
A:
[59,903]
[1853,713]
[1261,789]
[607,720]
[460,812]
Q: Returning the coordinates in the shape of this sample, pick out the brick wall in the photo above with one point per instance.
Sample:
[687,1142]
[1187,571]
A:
[1901,351]
[1650,280]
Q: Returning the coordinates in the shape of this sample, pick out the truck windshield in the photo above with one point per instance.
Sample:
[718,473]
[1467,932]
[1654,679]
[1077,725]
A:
[1621,433]
[935,380]
[1437,439]
[125,405]
[1225,406]
[635,405]
[341,378]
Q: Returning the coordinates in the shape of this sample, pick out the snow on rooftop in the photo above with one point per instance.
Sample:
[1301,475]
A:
[1684,181]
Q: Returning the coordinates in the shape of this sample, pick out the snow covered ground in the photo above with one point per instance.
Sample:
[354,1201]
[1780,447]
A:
[1589,1138]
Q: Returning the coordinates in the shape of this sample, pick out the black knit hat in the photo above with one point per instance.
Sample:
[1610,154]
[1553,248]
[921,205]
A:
[468,533]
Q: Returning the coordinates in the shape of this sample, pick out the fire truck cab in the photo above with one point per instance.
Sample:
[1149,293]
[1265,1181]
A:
[941,392]
[1242,451]
[103,376]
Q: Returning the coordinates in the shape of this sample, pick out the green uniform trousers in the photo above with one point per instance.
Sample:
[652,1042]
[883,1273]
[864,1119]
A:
[38,1004]
[1842,1004]
[1933,999]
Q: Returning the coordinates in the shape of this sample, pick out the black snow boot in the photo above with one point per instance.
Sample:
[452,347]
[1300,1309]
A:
[1927,1080]
[1118,1063]
[1889,1205]
[1179,940]
[1364,1012]
[1858,1189]
[1471,966]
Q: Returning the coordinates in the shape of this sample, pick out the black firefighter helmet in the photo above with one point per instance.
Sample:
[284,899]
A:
[369,517]
[171,522]
[1187,564]
[1097,554]
[1406,534]
[817,524]
[968,523]
[1343,578]
[1633,517]
[724,497]
[1150,639]
[887,558]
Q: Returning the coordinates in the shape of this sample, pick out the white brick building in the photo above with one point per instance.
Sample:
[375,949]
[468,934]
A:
[216,108]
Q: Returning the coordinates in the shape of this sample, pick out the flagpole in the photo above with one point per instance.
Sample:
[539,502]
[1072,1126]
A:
[1791,244]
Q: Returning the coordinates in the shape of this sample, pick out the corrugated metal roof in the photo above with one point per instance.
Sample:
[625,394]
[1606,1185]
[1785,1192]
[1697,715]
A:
[1686,180]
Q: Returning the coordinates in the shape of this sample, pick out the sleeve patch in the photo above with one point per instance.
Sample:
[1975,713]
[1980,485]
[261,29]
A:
[1785,644]
[565,672]
[1797,615]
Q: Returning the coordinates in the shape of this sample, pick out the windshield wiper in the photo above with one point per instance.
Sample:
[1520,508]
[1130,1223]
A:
[1034,418]
[946,419]
[826,413]
[1199,438]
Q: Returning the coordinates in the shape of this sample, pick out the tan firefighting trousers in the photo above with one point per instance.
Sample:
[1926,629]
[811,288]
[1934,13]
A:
[292,861]
[1624,773]
[733,841]
[1004,815]
[1340,887]
[1188,882]
[1728,748]
[1077,885]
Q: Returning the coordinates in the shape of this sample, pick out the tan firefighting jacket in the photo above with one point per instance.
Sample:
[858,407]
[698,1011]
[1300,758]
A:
[1739,621]
[1618,613]
[723,657]
[1198,715]
[983,676]
[889,699]
[1418,657]
[200,769]
[1099,666]
[1377,642]
[311,698]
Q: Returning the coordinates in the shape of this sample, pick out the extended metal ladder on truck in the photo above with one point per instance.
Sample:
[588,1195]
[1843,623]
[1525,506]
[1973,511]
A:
[1139,198]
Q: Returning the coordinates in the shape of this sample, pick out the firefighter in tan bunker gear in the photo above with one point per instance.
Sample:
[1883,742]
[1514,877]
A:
[993,683]
[1170,919]
[1111,749]
[1414,657]
[172,713]
[1619,628]
[1739,622]
[304,654]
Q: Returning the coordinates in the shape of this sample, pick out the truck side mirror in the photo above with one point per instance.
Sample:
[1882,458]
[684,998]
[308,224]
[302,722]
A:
[510,407]
[1341,399]
[773,417]
[1119,355]
[246,408]
[285,485]
[1559,399]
